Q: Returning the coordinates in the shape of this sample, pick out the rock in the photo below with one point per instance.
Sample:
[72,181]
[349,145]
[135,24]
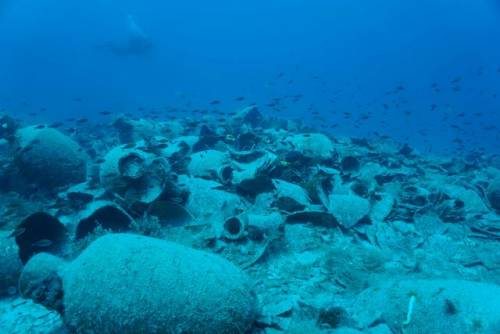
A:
[350,164]
[11,264]
[493,193]
[20,316]
[132,284]
[431,306]
[49,158]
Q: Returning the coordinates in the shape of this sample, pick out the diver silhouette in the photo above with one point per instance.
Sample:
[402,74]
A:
[137,43]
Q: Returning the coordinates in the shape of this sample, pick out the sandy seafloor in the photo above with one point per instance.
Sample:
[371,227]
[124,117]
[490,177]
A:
[311,233]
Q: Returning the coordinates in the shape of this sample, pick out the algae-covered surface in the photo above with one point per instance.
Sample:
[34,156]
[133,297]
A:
[306,232]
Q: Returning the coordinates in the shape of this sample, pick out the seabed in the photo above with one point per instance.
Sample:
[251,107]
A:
[250,225]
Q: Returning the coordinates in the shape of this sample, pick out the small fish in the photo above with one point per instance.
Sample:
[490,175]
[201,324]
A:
[240,98]
[26,149]
[105,113]
[214,102]
[56,125]
[82,120]
[17,232]
[42,243]
[38,127]
[77,99]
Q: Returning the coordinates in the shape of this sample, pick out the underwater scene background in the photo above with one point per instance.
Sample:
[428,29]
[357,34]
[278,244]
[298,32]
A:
[257,167]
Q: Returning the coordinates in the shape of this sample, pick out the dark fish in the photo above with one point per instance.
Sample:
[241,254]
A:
[26,149]
[38,127]
[56,125]
[240,98]
[456,80]
[82,120]
[105,113]
[17,232]
[43,243]
[99,161]
[214,102]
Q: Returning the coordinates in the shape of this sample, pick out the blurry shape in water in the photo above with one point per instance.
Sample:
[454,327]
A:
[137,43]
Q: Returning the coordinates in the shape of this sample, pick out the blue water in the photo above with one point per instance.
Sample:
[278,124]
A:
[341,55]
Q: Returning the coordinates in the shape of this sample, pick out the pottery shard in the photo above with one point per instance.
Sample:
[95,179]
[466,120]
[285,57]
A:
[348,209]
